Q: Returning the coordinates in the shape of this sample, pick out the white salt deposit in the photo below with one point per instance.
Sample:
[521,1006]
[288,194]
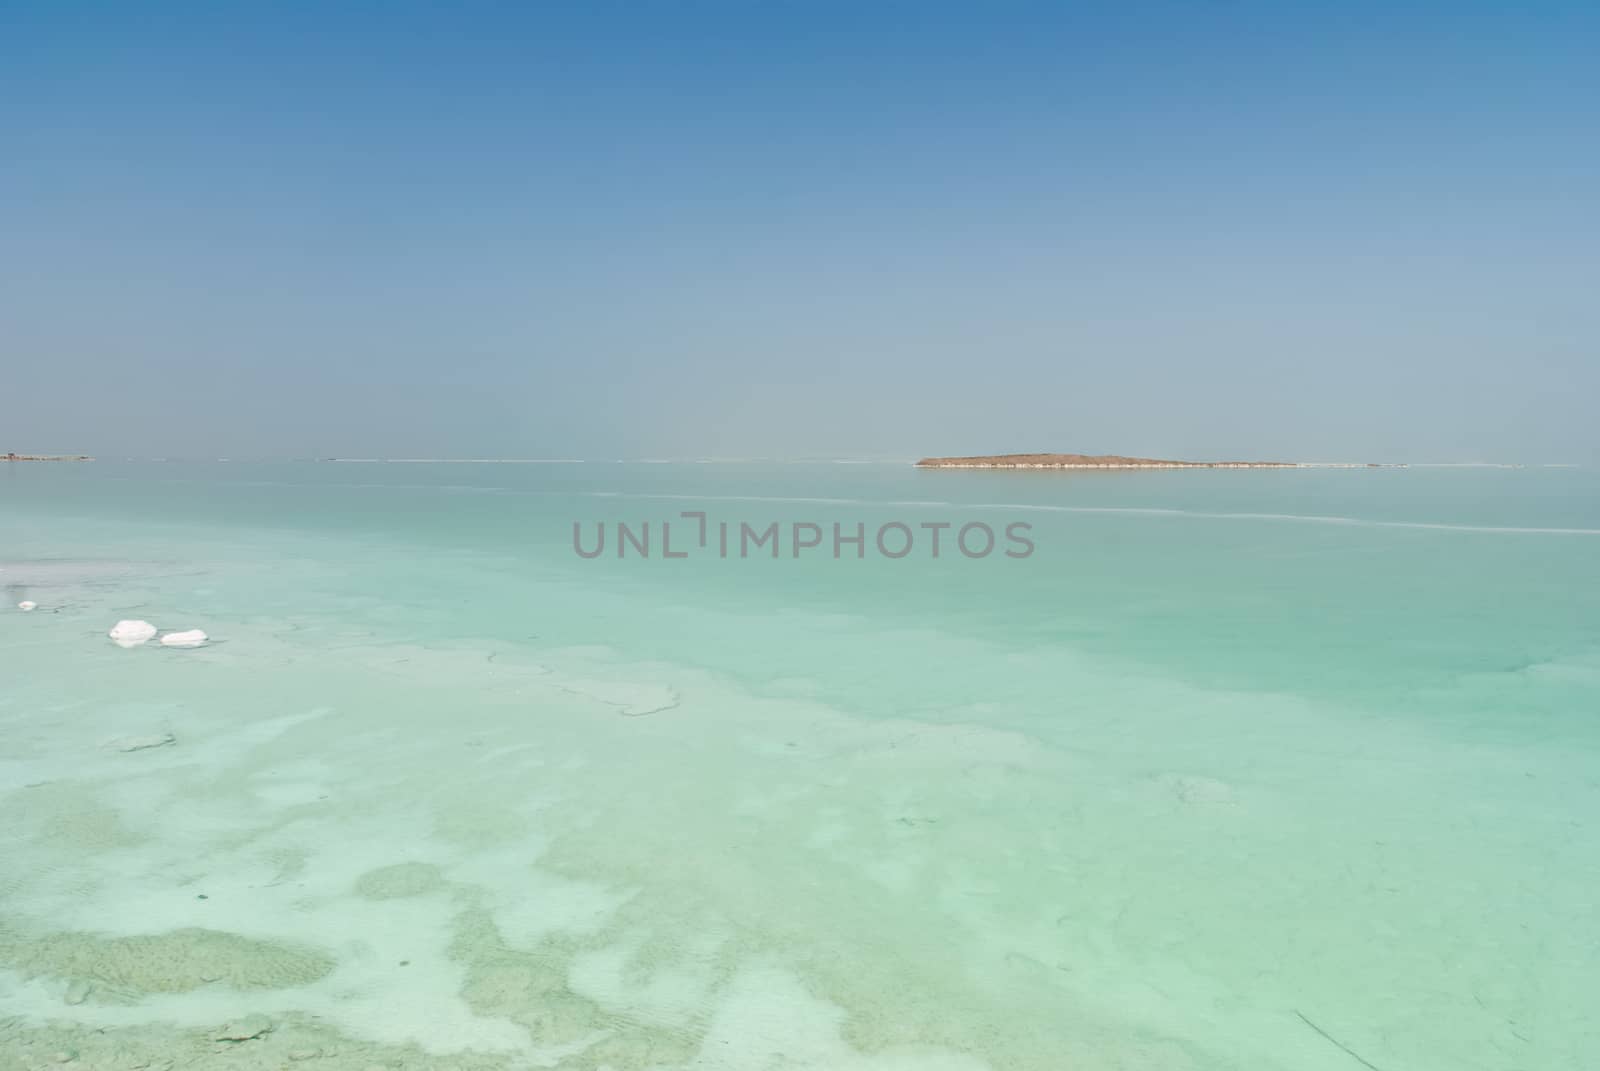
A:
[132,633]
[193,638]
[27,604]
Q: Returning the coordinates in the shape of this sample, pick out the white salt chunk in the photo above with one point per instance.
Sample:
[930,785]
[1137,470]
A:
[132,633]
[193,638]
[27,604]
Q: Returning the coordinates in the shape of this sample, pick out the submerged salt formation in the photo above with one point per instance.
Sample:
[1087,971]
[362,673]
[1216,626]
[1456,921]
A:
[192,638]
[105,968]
[140,743]
[398,881]
[132,633]
[249,1028]
[289,1041]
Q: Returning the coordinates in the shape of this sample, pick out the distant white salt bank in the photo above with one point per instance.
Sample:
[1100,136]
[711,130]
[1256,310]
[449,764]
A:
[456,460]
[132,633]
[192,638]
[27,604]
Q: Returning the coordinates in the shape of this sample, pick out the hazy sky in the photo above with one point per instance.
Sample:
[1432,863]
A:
[1338,231]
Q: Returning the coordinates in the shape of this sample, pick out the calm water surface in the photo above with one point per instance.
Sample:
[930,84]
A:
[1239,769]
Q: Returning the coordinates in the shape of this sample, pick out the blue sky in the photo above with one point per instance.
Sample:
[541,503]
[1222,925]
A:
[888,229]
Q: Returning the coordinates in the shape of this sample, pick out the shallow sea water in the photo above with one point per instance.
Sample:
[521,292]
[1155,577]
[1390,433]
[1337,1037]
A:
[1240,769]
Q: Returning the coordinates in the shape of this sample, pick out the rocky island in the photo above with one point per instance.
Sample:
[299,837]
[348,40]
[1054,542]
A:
[47,457]
[1107,461]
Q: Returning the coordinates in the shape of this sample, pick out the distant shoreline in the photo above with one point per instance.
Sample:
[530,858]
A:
[47,457]
[1117,461]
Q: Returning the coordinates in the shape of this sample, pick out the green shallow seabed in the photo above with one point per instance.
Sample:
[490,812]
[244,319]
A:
[1181,791]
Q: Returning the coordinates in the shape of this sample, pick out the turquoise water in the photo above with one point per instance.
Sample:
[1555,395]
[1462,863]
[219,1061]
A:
[1239,769]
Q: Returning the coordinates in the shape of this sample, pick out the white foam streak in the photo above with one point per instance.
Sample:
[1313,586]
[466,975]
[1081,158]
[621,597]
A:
[1135,511]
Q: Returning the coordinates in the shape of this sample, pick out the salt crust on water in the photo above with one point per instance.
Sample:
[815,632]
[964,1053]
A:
[564,980]
[347,848]
[465,986]
[495,983]
[192,638]
[631,699]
